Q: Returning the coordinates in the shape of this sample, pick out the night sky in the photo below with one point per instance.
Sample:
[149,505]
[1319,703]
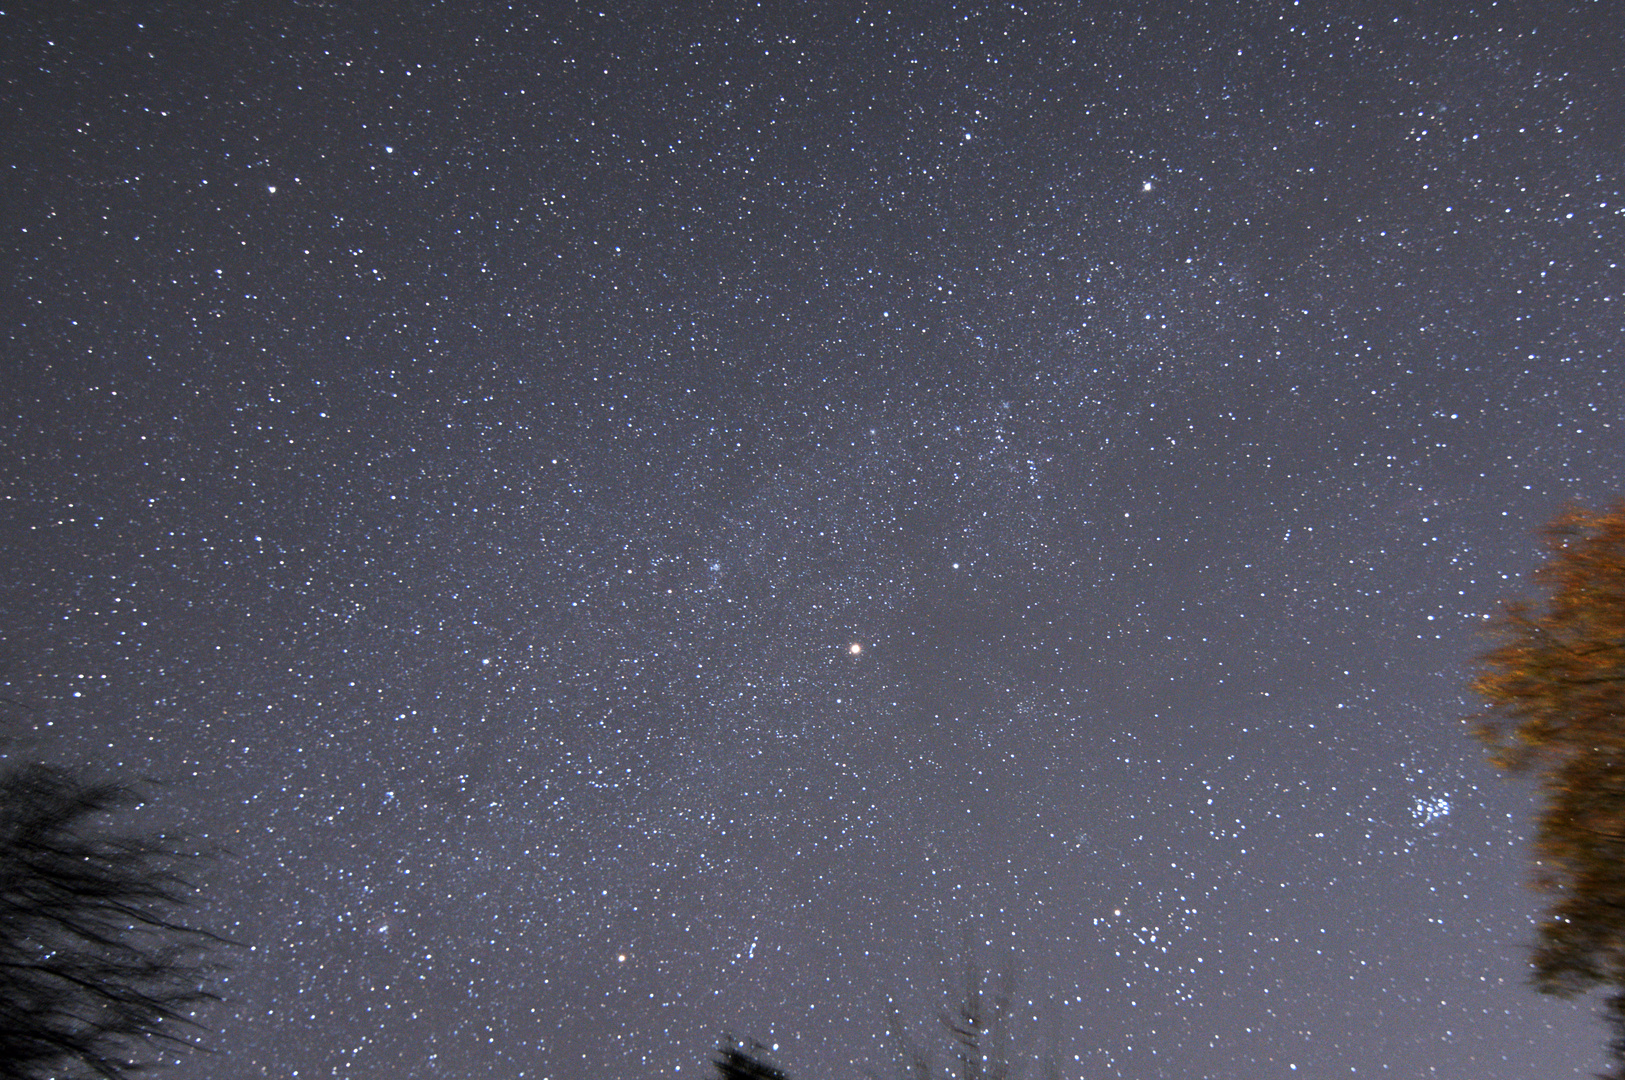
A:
[633,521]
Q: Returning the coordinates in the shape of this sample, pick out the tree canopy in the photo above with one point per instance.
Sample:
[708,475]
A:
[98,977]
[1554,684]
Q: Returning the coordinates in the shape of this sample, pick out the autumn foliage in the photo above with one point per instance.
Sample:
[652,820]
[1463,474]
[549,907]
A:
[1555,688]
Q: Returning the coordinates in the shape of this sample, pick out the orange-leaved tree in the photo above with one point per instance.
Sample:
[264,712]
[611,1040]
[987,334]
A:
[1554,684]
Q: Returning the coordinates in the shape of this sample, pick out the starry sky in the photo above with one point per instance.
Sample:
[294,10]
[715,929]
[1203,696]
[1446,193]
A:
[634,521]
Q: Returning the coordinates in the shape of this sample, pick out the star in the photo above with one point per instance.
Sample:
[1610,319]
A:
[503,613]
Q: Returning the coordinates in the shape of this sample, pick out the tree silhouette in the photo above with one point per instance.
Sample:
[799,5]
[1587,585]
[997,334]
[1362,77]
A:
[98,978]
[979,1028]
[745,1062]
[1554,685]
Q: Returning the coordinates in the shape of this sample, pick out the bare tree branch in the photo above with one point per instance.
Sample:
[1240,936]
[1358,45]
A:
[98,974]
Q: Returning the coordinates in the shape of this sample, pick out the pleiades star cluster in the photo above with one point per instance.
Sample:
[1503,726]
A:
[633,522]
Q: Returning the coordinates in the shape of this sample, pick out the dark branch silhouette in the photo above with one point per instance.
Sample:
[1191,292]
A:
[980,1030]
[748,1061]
[98,975]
